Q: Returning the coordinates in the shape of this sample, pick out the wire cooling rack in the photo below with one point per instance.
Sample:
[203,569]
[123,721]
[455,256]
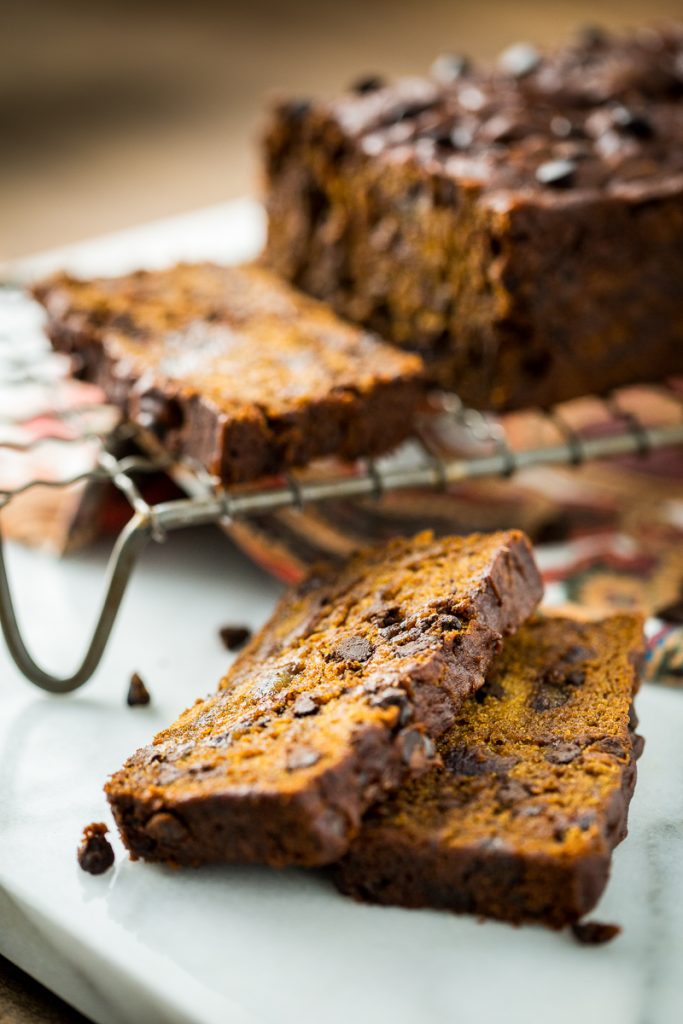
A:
[52,437]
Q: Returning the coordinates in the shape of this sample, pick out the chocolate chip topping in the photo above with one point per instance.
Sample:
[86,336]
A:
[95,854]
[138,694]
[449,67]
[296,110]
[632,124]
[366,84]
[595,933]
[353,648]
[519,60]
[302,757]
[556,173]
[234,637]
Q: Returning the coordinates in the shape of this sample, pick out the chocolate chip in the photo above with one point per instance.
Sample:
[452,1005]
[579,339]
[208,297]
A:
[553,688]
[302,757]
[124,322]
[234,637]
[461,137]
[390,616]
[636,125]
[511,791]
[450,623]
[304,705]
[612,745]
[594,933]
[577,652]
[417,749]
[445,192]
[563,753]
[462,760]
[95,854]
[537,364]
[393,697]
[366,84]
[406,636]
[295,110]
[549,697]
[166,828]
[561,127]
[353,648]
[556,173]
[519,60]
[407,111]
[138,694]
[448,67]
[591,36]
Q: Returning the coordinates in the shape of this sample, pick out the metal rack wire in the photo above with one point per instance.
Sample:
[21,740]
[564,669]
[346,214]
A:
[488,453]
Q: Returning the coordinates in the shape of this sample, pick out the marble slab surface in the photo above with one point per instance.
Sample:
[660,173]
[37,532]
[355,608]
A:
[232,945]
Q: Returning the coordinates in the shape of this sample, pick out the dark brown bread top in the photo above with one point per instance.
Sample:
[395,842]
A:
[602,117]
[519,820]
[234,367]
[329,706]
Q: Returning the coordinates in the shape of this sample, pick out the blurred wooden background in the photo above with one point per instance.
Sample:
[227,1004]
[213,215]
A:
[113,112]
[118,111]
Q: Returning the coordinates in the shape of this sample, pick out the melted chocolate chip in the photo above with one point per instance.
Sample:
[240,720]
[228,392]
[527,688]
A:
[590,36]
[629,123]
[450,623]
[407,111]
[612,745]
[393,697]
[556,173]
[511,791]
[519,60]
[95,853]
[304,705]
[449,67]
[366,84]
[577,652]
[553,688]
[353,648]
[595,933]
[234,637]
[296,110]
[475,761]
[166,828]
[138,694]
[124,322]
[417,749]
[563,753]
[302,757]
